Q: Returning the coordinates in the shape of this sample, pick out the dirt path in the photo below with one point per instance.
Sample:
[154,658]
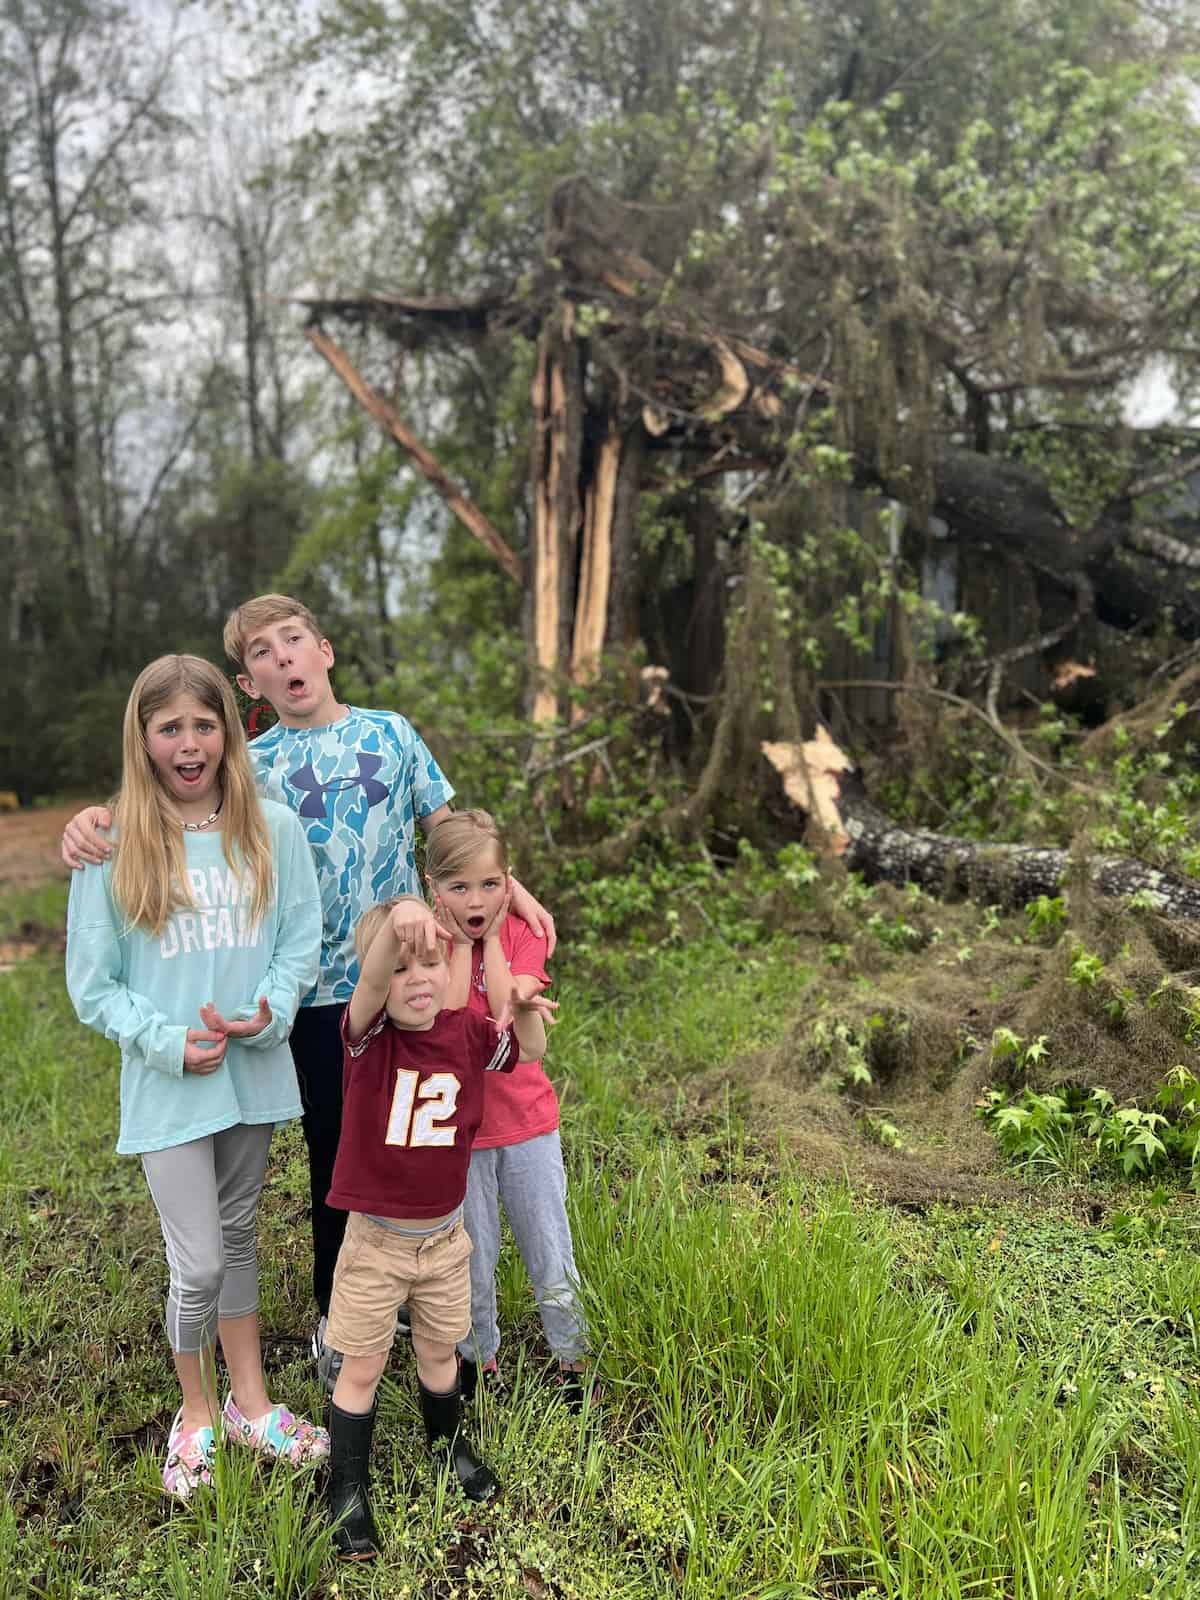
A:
[29,846]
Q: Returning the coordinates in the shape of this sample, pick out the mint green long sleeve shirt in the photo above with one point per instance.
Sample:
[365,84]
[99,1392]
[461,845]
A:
[145,990]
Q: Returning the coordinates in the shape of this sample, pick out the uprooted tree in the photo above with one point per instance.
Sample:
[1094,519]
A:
[804,313]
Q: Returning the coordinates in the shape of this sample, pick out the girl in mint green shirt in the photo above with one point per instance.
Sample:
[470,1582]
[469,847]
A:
[191,948]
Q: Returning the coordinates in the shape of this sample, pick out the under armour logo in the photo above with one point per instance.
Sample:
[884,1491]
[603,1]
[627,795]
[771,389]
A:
[314,803]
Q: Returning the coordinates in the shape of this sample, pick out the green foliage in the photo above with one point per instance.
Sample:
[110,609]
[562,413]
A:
[1075,1133]
[843,1048]
[1046,917]
[1149,803]
[1009,1047]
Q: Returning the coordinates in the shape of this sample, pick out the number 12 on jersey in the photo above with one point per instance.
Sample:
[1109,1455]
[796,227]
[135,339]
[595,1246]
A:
[418,1116]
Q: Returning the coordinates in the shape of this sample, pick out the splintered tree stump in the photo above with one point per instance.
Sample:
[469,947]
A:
[821,781]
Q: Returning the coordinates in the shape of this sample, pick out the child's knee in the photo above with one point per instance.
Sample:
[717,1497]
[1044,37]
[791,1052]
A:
[198,1284]
[432,1350]
[364,1371]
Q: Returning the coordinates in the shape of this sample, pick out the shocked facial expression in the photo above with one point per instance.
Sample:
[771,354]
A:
[417,991]
[475,895]
[186,742]
[289,666]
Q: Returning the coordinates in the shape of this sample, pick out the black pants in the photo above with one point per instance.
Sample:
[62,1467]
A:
[317,1052]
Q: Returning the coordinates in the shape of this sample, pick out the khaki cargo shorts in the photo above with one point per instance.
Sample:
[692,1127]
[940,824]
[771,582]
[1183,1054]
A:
[378,1271]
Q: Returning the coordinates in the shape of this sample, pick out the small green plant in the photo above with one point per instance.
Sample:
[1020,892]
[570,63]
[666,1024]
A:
[841,1047]
[1141,1225]
[1046,917]
[894,933]
[1072,1132]
[1086,968]
[882,1131]
[1009,1046]
[1038,1131]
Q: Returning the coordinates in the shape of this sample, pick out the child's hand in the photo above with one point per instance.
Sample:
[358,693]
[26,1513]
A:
[212,1018]
[203,1051]
[416,928]
[538,1002]
[535,914]
[83,841]
[446,920]
[492,931]
[514,1004]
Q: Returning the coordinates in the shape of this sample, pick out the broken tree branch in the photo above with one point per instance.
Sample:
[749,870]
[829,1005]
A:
[467,512]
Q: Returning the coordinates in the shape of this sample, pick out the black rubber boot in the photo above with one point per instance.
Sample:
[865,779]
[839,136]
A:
[468,1379]
[354,1536]
[442,1414]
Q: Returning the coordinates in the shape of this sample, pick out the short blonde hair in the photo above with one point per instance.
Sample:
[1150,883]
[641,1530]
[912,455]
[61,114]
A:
[368,925]
[245,621]
[456,841]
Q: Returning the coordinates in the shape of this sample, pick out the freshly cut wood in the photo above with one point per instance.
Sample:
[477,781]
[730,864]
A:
[821,781]
[557,400]
[591,605]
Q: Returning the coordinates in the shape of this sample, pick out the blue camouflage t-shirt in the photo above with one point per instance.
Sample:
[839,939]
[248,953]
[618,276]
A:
[359,787]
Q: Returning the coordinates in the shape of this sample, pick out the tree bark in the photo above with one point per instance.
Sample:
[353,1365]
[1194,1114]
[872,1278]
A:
[557,398]
[820,780]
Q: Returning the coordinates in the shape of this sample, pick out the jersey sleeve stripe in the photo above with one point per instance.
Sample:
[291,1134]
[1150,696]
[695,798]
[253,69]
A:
[500,1057]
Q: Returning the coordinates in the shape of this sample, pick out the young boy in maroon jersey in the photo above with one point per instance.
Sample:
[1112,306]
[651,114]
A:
[412,1101]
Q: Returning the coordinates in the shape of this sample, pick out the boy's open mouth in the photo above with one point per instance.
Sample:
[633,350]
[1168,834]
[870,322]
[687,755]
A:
[420,1002]
[296,685]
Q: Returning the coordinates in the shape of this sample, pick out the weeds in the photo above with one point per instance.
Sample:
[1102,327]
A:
[1075,1132]
[805,1394]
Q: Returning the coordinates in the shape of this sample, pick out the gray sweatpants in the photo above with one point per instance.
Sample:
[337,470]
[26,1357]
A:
[206,1192]
[528,1179]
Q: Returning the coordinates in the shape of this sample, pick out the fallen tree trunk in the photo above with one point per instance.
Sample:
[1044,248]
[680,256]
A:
[821,781]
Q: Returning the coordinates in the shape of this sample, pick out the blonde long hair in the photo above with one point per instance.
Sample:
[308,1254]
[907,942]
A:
[149,879]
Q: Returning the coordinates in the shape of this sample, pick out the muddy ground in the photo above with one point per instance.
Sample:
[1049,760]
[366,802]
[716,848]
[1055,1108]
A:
[29,846]
[29,858]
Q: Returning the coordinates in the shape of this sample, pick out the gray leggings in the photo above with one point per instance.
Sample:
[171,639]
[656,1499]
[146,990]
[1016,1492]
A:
[528,1179]
[206,1192]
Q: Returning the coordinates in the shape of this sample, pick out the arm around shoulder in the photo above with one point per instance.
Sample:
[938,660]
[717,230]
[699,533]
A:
[83,841]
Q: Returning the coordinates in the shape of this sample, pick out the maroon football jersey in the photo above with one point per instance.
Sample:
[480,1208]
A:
[411,1102]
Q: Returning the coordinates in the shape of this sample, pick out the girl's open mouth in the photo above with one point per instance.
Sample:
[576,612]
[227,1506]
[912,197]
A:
[192,773]
[475,924]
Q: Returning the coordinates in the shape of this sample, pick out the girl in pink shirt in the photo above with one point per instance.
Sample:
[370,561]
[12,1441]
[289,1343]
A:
[516,1158]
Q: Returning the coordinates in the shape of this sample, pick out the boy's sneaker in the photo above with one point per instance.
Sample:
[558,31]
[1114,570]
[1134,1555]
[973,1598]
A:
[473,1376]
[328,1360]
[403,1324]
[576,1388]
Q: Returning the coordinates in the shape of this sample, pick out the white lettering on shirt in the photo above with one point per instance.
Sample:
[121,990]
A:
[221,920]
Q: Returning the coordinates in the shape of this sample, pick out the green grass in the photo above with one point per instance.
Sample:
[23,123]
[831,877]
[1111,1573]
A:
[805,1396]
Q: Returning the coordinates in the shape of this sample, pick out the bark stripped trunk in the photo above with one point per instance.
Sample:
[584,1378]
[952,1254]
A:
[821,781]
[557,398]
[595,564]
